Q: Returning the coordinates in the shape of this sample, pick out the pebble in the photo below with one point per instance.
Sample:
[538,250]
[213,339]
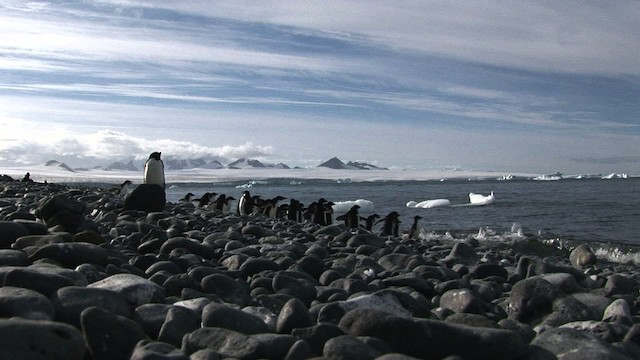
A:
[83,278]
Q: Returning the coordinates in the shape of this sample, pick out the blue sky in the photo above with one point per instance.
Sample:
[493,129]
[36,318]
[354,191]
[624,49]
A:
[484,85]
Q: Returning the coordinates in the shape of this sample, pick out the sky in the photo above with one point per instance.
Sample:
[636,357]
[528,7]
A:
[529,86]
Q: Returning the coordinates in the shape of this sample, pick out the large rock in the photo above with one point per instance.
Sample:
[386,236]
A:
[39,340]
[135,289]
[569,344]
[146,197]
[110,336]
[432,339]
[73,254]
[227,343]
[530,299]
[24,303]
[223,316]
[9,232]
[69,303]
[582,257]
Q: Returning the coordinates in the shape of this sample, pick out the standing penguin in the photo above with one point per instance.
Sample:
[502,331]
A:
[369,221]
[391,224]
[154,170]
[414,231]
[351,217]
[245,204]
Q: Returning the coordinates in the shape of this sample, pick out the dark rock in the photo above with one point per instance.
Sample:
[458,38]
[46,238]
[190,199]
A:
[73,254]
[134,289]
[617,284]
[530,299]
[40,340]
[411,280]
[24,303]
[462,253]
[294,314]
[566,310]
[472,320]
[609,332]
[9,257]
[582,257]
[348,347]
[316,336]
[109,336]
[482,271]
[432,339]
[178,322]
[366,239]
[40,281]
[618,311]
[155,350]
[253,266]
[276,345]
[294,284]
[69,303]
[223,316]
[300,350]
[633,335]
[151,317]
[230,290]
[227,343]
[146,197]
[461,301]
[9,232]
[59,203]
[33,227]
[567,343]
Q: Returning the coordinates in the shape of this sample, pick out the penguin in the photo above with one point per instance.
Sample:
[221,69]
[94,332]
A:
[351,217]
[270,206]
[317,212]
[187,198]
[294,211]
[390,225]
[327,212]
[226,207]
[219,202]
[205,199]
[245,204]
[414,230]
[369,221]
[154,170]
[123,189]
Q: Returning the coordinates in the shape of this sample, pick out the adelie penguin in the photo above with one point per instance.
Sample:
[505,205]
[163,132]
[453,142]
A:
[205,199]
[391,224]
[154,170]
[245,204]
[351,217]
[414,231]
[369,221]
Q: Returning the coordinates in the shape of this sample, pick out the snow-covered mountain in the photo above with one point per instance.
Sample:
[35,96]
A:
[119,165]
[57,164]
[244,163]
[215,164]
[180,164]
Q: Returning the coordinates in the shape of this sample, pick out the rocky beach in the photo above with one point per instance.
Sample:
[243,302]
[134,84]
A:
[87,274]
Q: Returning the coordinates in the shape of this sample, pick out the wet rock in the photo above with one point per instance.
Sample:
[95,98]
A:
[317,335]
[40,281]
[40,340]
[482,271]
[228,289]
[10,257]
[462,253]
[618,284]
[582,257]
[618,311]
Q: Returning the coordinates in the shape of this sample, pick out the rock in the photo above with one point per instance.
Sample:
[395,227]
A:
[317,335]
[9,232]
[146,197]
[276,345]
[9,257]
[472,320]
[34,279]
[565,310]
[25,303]
[228,289]
[567,343]
[178,322]
[412,280]
[348,347]
[223,316]
[72,254]
[294,314]
[482,271]
[155,350]
[530,299]
[300,350]
[295,284]
[618,285]
[151,317]
[609,332]
[461,301]
[135,289]
[40,340]
[69,303]
[227,343]
[462,253]
[618,311]
[433,339]
[109,336]
[582,257]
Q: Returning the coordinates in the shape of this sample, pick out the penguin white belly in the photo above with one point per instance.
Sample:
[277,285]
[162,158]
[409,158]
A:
[154,172]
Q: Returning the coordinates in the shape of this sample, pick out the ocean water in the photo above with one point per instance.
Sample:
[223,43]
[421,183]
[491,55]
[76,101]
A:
[602,213]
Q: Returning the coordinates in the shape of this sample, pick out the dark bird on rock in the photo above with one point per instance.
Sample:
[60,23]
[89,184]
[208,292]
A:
[414,231]
[205,199]
[188,198]
[369,221]
[351,218]
[245,204]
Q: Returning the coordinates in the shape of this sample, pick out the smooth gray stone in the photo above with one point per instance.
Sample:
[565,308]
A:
[228,289]
[582,257]
[223,316]
[25,303]
[30,278]
[109,336]
[10,257]
[71,301]
[40,340]
[178,322]
[155,350]
[570,344]
[73,254]
[348,347]
[135,289]
[461,301]
[531,299]
[225,342]
[294,314]
[9,232]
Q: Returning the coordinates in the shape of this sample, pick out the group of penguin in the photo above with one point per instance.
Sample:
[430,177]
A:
[319,212]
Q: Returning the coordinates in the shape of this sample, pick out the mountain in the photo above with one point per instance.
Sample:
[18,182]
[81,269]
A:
[118,165]
[244,163]
[215,164]
[335,163]
[180,164]
[55,163]
[279,166]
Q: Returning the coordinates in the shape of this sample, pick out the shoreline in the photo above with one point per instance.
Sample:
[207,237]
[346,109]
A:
[182,280]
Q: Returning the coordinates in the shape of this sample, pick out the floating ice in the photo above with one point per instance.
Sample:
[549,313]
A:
[428,204]
[479,199]
[615,176]
[341,207]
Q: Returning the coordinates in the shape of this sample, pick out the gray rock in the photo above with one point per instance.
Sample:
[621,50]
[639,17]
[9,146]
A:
[530,299]
[348,347]
[276,345]
[300,350]
[40,340]
[463,254]
[609,332]
[225,342]
[432,339]
[294,314]
[482,271]
[295,284]
[317,335]
[582,257]
[619,285]
[73,254]
[151,317]
[178,322]
[461,301]
[25,303]
[155,350]
[412,280]
[223,316]
[10,257]
[40,281]
[566,310]
[9,232]
[69,303]
[618,311]
[146,197]
[568,344]
[230,290]
[109,336]
[135,289]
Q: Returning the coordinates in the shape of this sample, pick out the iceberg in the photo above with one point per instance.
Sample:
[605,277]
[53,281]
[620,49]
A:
[428,204]
[479,199]
[341,207]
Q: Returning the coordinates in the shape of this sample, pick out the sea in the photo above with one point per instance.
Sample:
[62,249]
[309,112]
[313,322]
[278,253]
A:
[603,213]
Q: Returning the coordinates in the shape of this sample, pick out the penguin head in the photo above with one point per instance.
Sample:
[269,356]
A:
[155,155]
